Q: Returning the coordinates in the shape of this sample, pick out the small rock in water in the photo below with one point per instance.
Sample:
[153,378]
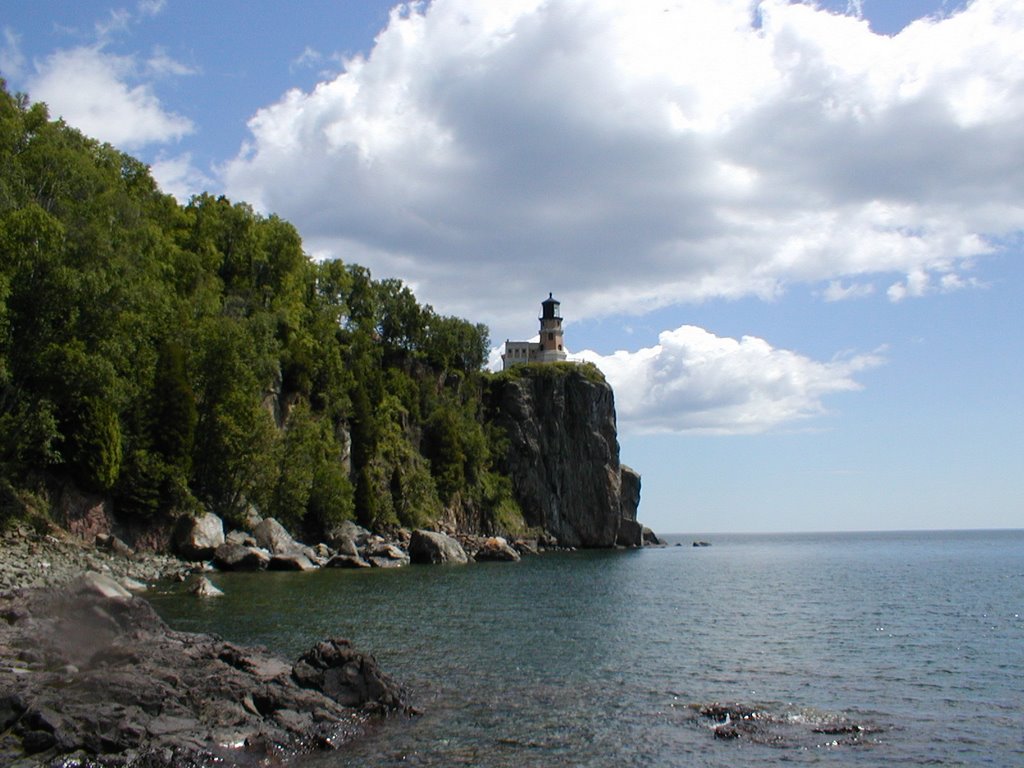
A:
[203,587]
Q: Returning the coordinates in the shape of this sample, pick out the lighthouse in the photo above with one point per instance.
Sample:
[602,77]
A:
[551,346]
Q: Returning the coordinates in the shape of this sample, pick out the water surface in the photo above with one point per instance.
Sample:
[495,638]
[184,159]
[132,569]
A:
[596,658]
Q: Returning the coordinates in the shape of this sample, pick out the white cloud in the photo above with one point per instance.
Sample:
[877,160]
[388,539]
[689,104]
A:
[177,176]
[836,290]
[160,64]
[151,7]
[93,91]
[12,60]
[632,154]
[309,58]
[694,381]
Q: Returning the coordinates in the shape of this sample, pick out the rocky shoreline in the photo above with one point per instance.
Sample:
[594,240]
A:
[91,676]
[29,559]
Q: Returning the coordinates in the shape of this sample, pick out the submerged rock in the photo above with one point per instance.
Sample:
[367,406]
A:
[782,726]
[203,587]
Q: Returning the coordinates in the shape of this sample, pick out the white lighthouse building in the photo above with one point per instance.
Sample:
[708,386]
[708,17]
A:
[549,349]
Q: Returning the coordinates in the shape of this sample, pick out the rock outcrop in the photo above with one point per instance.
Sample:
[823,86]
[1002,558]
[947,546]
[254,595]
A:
[90,675]
[563,453]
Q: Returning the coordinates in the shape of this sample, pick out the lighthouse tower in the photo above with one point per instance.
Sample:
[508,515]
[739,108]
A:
[551,347]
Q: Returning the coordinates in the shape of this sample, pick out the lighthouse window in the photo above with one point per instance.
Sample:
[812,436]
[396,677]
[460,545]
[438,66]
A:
[551,337]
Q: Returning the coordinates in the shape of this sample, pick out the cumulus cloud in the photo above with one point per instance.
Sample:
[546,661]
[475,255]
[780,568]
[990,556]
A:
[634,154]
[93,90]
[695,381]
[178,176]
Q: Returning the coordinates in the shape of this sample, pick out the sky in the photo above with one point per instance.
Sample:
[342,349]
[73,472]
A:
[789,233]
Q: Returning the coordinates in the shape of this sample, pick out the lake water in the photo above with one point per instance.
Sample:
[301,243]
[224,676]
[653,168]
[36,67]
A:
[600,658]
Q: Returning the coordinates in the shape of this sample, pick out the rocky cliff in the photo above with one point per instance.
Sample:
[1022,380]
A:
[562,454]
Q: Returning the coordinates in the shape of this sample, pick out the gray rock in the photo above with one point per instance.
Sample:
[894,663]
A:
[294,561]
[562,452]
[384,554]
[318,555]
[116,686]
[386,562]
[197,538]
[496,548]
[348,530]
[434,547]
[344,545]
[347,561]
[114,544]
[273,537]
[102,585]
[242,538]
[351,678]
[631,534]
[650,537]
[526,546]
[133,585]
[235,557]
[203,587]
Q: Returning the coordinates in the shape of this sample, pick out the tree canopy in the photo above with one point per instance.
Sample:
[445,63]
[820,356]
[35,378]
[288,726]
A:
[185,357]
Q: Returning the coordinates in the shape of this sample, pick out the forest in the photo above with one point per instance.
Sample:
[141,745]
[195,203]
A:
[178,358]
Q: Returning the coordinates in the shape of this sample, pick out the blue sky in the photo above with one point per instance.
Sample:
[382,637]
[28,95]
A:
[790,234]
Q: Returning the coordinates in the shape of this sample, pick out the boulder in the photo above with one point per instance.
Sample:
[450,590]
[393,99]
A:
[383,554]
[344,545]
[433,547]
[273,537]
[294,561]
[101,585]
[649,537]
[347,530]
[235,557]
[347,561]
[386,562]
[353,679]
[113,544]
[496,548]
[196,538]
[203,587]
[526,546]
[242,538]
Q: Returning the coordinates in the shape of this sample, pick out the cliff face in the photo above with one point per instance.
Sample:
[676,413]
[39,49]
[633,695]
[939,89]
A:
[563,454]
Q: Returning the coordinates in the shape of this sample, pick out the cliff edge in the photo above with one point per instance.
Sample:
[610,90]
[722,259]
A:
[562,454]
